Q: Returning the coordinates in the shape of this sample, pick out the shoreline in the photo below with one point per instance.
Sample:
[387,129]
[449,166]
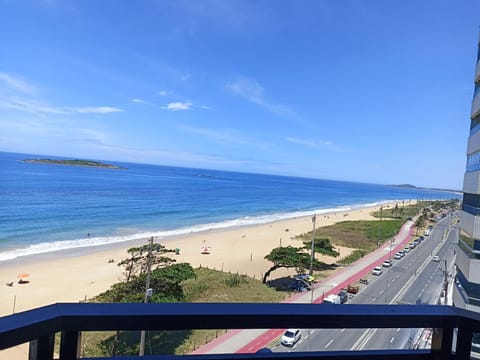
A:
[90,244]
[73,275]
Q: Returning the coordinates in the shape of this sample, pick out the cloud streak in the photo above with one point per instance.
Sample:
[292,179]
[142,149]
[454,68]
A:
[315,144]
[251,90]
[97,110]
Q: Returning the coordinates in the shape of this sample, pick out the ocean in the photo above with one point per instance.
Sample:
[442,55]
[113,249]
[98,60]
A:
[46,208]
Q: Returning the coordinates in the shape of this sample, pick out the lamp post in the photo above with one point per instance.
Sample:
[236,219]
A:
[148,293]
[314,218]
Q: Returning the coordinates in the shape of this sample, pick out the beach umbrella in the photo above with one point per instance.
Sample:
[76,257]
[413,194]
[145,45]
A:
[23,275]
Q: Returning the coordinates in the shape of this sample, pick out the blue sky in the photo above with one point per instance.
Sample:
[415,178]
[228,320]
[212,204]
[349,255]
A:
[371,91]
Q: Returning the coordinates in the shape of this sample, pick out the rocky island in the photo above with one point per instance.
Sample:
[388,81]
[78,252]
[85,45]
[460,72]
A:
[76,162]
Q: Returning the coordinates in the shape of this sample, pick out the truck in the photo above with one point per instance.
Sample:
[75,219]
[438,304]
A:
[332,299]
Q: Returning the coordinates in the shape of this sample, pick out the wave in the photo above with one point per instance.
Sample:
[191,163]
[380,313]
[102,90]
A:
[54,246]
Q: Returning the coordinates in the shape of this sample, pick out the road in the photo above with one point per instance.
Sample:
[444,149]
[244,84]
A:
[411,280]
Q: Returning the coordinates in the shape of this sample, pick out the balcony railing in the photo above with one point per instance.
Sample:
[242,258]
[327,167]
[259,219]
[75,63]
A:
[452,327]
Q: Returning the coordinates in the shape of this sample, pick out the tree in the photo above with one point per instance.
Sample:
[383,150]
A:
[322,246]
[137,263]
[288,257]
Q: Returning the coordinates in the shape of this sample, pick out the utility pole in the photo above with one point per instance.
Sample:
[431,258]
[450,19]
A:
[312,256]
[379,226]
[445,282]
[148,293]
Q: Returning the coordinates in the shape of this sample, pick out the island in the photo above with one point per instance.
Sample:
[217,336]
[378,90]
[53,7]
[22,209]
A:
[75,162]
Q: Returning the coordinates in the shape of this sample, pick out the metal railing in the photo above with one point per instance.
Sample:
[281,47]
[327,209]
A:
[452,327]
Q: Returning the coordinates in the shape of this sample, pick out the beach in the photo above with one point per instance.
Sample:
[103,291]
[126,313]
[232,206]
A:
[77,275]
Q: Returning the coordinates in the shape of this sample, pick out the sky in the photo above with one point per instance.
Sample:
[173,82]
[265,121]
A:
[375,91]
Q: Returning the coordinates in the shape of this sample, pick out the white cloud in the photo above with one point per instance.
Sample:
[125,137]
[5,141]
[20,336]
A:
[251,90]
[318,144]
[138,101]
[16,84]
[97,110]
[309,143]
[163,92]
[226,136]
[28,105]
[178,105]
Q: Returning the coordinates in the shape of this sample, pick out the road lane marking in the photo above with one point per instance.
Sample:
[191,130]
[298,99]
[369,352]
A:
[374,299]
[342,330]
[398,330]
[329,343]
[381,292]
[391,340]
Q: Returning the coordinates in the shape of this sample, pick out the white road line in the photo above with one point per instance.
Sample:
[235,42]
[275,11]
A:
[398,330]
[381,292]
[374,299]
[391,340]
[393,280]
[342,330]
[329,343]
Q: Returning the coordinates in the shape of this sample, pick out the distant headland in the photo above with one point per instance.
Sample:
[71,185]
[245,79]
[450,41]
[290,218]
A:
[76,162]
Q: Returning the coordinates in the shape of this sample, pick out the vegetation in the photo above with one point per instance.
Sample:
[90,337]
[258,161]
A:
[291,257]
[75,162]
[206,286]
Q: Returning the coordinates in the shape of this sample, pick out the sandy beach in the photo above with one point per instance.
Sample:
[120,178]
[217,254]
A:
[72,276]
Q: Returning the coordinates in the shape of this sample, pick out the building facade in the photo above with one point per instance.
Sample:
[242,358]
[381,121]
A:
[466,291]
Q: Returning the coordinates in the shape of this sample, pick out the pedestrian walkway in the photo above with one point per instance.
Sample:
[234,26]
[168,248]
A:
[248,341]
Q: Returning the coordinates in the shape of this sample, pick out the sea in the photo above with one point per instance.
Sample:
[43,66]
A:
[46,208]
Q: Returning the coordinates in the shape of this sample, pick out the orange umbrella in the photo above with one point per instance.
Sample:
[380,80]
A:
[23,275]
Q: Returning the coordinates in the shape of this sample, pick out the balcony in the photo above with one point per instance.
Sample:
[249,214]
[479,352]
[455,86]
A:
[39,326]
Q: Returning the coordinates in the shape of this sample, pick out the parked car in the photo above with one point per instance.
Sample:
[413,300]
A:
[436,258]
[291,337]
[387,263]
[377,270]
[412,245]
[406,250]
[397,256]
[401,252]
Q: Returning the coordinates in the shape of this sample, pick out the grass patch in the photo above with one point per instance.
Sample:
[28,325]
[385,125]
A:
[209,286]
[362,235]
[354,256]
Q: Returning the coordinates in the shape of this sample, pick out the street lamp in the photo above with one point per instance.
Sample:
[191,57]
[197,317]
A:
[314,217]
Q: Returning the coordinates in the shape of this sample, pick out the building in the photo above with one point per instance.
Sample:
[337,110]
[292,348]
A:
[466,292]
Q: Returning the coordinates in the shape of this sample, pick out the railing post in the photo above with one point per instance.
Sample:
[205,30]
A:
[41,348]
[70,345]
[464,342]
[442,340]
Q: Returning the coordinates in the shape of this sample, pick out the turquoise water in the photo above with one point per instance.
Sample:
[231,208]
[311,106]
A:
[46,208]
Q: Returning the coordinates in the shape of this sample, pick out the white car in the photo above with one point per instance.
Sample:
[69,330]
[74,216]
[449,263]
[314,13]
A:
[397,256]
[291,337]
[387,263]
[377,270]
[436,258]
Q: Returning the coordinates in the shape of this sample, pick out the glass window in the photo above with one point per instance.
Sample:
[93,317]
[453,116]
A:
[473,162]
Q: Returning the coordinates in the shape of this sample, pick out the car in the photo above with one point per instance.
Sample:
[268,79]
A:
[387,263]
[401,252]
[436,258]
[397,256]
[407,250]
[377,270]
[422,238]
[412,246]
[291,337]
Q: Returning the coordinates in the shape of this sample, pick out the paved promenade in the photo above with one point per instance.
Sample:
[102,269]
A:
[248,341]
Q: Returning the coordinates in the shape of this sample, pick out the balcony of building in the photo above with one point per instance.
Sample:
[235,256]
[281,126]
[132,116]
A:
[452,328]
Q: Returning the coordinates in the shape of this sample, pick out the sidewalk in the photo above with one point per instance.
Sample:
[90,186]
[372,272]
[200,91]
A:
[248,341]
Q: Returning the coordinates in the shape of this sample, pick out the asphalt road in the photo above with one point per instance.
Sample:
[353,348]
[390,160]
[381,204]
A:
[413,279]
